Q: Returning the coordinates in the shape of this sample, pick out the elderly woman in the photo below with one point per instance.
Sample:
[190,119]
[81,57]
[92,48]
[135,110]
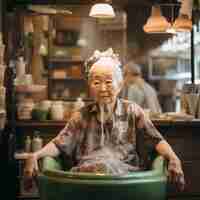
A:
[138,90]
[101,138]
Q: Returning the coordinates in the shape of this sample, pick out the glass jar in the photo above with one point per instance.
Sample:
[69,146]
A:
[57,110]
[45,105]
[37,142]
[24,109]
[20,67]
[79,104]
[27,144]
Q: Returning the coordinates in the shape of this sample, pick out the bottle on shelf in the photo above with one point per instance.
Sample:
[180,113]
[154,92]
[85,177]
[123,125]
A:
[37,142]
[27,145]
[57,110]
[2,49]
[78,104]
[20,67]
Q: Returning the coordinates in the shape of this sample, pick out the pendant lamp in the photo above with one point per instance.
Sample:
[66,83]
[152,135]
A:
[182,24]
[102,10]
[46,9]
[156,23]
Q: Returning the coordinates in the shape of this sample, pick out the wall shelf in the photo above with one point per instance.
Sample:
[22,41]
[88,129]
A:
[67,79]
[55,63]
[34,123]
[28,197]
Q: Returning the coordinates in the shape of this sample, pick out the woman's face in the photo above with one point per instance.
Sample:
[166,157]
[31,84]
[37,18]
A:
[102,87]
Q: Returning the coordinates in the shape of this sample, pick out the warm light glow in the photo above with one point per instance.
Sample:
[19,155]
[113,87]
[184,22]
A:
[183,24]
[156,23]
[171,30]
[43,9]
[102,10]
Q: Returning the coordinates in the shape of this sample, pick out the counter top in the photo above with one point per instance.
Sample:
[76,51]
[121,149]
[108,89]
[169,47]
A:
[52,123]
[194,122]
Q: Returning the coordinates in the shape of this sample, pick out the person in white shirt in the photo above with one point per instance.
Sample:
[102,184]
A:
[138,90]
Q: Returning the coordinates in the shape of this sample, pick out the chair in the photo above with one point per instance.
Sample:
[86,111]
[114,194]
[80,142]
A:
[57,184]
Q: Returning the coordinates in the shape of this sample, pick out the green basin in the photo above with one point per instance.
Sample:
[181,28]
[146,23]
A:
[54,183]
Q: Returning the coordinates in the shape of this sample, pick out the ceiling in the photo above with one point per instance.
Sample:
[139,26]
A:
[137,13]
[117,2]
[85,2]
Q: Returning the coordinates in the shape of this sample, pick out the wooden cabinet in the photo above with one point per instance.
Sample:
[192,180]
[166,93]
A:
[184,138]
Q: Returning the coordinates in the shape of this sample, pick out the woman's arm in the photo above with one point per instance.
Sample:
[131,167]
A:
[65,141]
[156,141]
[175,171]
[49,149]
[31,166]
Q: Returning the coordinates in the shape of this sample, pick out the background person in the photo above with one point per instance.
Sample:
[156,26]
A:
[138,90]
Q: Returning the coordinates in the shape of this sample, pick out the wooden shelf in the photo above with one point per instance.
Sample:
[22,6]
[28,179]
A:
[56,63]
[194,122]
[55,59]
[34,123]
[72,99]
[30,88]
[28,197]
[67,79]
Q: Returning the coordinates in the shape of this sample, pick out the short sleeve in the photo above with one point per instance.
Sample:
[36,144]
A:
[66,140]
[145,126]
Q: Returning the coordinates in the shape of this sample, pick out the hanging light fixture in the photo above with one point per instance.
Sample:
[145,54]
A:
[183,23]
[156,23]
[171,29]
[102,10]
[48,9]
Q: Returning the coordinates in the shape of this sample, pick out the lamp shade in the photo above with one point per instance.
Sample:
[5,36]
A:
[102,10]
[43,9]
[156,23]
[182,24]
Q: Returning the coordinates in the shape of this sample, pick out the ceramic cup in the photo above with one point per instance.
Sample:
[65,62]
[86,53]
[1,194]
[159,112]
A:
[192,101]
[45,105]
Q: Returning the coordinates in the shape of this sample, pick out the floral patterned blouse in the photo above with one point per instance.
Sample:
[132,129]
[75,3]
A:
[81,139]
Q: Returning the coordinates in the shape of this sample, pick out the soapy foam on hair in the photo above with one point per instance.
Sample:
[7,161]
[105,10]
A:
[111,63]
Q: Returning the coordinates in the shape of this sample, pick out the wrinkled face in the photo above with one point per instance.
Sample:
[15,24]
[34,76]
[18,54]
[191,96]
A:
[102,87]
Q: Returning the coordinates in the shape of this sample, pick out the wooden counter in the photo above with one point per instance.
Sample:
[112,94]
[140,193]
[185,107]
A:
[184,137]
[159,123]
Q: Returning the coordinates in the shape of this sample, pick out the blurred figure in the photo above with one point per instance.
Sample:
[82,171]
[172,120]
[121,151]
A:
[138,90]
[167,95]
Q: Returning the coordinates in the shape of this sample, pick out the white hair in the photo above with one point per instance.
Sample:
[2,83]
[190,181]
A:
[112,63]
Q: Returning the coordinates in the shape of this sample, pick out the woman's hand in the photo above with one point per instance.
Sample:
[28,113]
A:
[175,173]
[30,171]
[31,166]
